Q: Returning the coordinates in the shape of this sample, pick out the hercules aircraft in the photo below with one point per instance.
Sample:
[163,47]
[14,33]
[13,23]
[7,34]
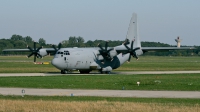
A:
[103,59]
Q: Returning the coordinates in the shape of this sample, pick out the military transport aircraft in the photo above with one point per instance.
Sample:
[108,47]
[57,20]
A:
[104,59]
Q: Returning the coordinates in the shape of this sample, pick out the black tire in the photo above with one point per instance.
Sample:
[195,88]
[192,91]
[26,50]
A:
[63,72]
[84,72]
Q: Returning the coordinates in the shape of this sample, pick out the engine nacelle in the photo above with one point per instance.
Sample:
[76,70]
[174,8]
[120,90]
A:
[107,69]
[113,53]
[42,52]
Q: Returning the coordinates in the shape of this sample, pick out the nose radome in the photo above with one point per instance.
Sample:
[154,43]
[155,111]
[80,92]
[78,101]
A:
[55,63]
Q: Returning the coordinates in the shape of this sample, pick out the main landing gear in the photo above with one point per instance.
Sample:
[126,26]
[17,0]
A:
[65,71]
[105,72]
[84,71]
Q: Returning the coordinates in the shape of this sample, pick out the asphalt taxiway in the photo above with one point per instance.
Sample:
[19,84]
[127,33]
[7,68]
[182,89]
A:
[101,93]
[96,73]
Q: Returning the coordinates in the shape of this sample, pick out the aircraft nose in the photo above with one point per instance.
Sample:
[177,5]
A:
[55,62]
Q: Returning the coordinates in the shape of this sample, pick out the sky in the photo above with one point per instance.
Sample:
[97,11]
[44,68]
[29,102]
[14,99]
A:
[57,20]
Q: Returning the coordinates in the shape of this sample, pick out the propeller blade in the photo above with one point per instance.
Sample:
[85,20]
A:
[129,59]
[30,55]
[104,51]
[132,51]
[34,46]
[34,51]
[39,49]
[127,47]
[54,47]
[30,48]
[132,44]
[59,46]
[39,55]
[135,55]
[126,41]
[99,45]
[136,48]
[106,45]
[35,58]
[110,50]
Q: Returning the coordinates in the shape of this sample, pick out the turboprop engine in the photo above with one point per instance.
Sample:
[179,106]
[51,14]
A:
[112,53]
[107,53]
[42,52]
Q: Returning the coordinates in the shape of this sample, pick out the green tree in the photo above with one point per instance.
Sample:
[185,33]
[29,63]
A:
[28,39]
[42,42]
[72,42]
[64,43]
[16,37]
[80,42]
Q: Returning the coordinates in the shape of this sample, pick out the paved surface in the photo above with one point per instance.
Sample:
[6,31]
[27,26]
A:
[104,93]
[113,73]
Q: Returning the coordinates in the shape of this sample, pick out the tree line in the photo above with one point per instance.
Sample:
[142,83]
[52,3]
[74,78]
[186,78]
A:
[19,42]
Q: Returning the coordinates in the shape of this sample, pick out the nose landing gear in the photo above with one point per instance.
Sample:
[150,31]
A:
[63,72]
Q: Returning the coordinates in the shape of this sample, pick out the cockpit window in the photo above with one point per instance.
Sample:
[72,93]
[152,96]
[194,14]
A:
[59,52]
[66,53]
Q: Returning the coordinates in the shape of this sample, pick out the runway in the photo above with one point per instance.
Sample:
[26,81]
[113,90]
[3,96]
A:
[101,93]
[96,73]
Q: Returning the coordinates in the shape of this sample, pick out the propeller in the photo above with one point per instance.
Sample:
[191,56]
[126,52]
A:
[126,41]
[105,52]
[132,51]
[56,49]
[34,51]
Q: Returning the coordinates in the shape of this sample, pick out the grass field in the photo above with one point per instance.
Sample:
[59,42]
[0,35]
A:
[100,104]
[157,63]
[97,106]
[21,64]
[181,82]
[178,82]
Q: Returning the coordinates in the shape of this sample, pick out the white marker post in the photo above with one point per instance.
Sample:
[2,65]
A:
[23,92]
[138,83]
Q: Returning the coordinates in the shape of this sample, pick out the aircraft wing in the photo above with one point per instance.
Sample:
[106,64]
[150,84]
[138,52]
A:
[16,50]
[160,49]
[48,50]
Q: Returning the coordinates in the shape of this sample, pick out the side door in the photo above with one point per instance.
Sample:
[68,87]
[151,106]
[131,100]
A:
[66,61]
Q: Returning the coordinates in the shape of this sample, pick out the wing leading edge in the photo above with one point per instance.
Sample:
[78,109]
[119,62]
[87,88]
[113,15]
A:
[49,50]
[160,49]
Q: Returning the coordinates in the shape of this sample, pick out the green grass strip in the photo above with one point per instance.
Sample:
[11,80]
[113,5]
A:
[176,82]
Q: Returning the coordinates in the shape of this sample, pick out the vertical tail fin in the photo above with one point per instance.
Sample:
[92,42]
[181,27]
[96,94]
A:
[133,33]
